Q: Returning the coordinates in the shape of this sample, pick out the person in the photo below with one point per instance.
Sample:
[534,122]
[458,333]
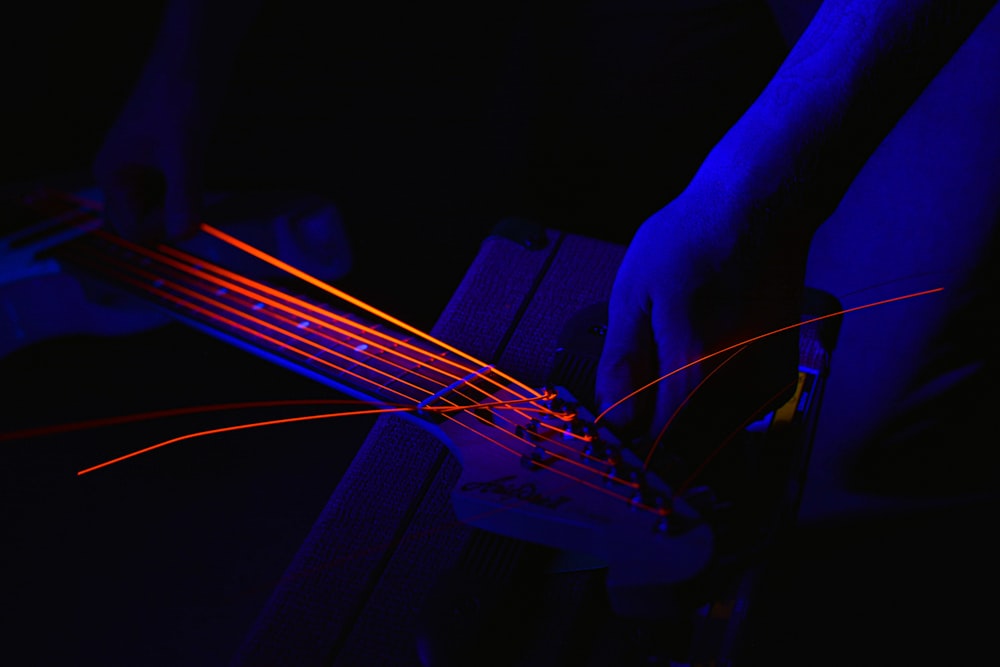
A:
[727,258]
[866,166]
[818,183]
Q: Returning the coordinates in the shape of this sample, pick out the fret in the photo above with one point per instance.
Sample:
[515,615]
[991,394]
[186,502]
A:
[337,345]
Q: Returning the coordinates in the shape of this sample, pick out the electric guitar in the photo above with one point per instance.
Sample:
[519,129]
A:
[536,463]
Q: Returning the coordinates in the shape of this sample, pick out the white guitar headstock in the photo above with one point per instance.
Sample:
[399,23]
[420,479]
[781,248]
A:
[543,472]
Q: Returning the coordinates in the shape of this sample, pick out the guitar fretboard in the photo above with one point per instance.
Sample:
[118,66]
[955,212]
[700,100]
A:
[340,348]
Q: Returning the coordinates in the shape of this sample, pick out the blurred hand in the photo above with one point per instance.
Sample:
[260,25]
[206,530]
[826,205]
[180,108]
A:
[149,165]
[702,274]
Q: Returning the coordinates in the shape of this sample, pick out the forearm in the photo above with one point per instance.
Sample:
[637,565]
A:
[849,78]
[196,47]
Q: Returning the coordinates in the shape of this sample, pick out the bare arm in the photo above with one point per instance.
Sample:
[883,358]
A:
[725,261]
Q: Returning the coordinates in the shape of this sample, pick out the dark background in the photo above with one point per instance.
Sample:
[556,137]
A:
[426,123]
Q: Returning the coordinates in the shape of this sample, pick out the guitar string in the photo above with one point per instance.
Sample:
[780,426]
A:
[237,427]
[54,429]
[754,339]
[236,276]
[94,209]
[254,333]
[686,484]
[659,437]
[632,502]
[293,320]
[302,275]
[708,459]
[197,295]
[153,279]
[215,300]
[582,481]
[197,262]
[295,317]
[265,289]
[263,294]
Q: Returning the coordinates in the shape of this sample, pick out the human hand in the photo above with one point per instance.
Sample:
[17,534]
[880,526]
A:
[40,300]
[149,164]
[701,275]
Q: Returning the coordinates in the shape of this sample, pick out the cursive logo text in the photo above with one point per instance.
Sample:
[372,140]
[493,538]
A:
[524,492]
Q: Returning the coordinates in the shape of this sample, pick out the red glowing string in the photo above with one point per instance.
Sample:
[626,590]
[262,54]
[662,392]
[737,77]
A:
[762,336]
[687,399]
[578,480]
[686,484]
[239,427]
[40,431]
[302,275]
[282,308]
[205,269]
[201,266]
[255,333]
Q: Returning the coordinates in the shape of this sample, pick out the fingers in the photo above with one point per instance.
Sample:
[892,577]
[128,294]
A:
[133,200]
[183,196]
[626,365]
[146,205]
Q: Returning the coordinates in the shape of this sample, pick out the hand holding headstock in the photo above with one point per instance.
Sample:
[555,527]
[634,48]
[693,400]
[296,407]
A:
[544,473]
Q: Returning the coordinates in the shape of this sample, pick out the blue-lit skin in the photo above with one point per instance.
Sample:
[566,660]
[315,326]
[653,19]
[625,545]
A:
[776,201]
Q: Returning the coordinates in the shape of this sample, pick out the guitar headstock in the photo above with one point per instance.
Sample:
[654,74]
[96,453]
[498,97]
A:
[543,472]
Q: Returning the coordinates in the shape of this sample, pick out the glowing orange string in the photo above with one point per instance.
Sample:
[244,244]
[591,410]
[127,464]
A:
[239,427]
[762,336]
[591,485]
[204,270]
[349,299]
[302,275]
[418,364]
[290,333]
[254,333]
[687,399]
[263,290]
[199,266]
[40,431]
[686,484]
[549,441]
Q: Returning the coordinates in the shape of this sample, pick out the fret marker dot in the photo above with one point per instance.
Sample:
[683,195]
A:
[258,306]
[303,324]
[361,348]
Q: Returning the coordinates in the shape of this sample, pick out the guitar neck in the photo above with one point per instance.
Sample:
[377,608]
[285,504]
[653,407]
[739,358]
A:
[338,347]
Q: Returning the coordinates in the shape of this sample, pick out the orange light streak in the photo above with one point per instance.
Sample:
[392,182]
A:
[27,433]
[760,337]
[239,427]
[659,437]
[264,290]
[204,269]
[711,457]
[302,275]
[197,295]
[578,480]
[569,461]
[254,333]
[340,294]
[225,278]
